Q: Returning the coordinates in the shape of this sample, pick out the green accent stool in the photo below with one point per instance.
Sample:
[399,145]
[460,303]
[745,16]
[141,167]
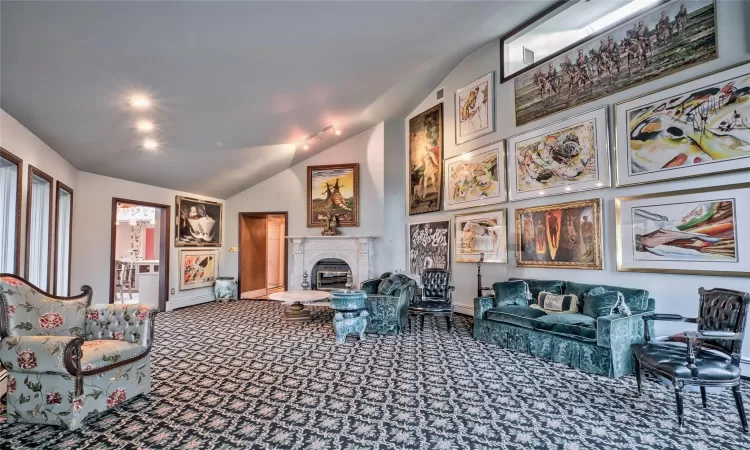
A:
[351,314]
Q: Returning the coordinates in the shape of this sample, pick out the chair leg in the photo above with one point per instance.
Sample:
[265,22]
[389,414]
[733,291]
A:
[422,319]
[740,407]
[704,400]
[408,319]
[450,324]
[680,410]
[637,368]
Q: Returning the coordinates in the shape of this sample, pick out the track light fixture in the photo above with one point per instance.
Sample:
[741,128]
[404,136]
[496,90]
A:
[306,142]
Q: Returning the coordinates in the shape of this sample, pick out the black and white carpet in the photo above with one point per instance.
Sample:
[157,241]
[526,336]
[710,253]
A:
[236,375]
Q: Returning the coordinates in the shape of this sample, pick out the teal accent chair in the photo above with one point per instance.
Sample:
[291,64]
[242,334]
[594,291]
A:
[388,299]
[67,360]
[598,345]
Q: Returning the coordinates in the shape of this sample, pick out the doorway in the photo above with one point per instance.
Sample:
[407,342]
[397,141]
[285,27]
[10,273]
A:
[139,254]
[262,254]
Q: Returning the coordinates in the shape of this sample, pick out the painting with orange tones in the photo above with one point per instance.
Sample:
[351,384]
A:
[198,268]
[426,161]
[333,190]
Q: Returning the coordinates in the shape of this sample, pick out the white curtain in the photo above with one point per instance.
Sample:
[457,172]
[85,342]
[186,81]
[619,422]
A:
[8,180]
[63,243]
[39,230]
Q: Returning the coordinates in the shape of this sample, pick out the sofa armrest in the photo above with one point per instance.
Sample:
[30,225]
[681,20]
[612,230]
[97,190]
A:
[370,286]
[41,354]
[619,331]
[481,305]
[130,323]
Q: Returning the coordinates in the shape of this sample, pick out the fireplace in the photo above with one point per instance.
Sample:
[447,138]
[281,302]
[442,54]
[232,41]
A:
[330,274]
[356,252]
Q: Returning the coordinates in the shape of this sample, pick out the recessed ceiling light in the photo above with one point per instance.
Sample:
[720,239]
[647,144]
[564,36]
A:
[150,144]
[338,132]
[140,101]
[145,126]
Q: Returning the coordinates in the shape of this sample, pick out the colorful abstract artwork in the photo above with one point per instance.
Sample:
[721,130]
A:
[429,246]
[668,38]
[199,223]
[694,231]
[475,109]
[476,178]
[426,161]
[199,268]
[481,233]
[333,190]
[567,156]
[566,235]
[697,128]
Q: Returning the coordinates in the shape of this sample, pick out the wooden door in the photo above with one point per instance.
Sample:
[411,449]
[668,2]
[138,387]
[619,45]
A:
[253,248]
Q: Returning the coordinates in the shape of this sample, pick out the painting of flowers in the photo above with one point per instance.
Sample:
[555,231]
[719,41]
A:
[199,268]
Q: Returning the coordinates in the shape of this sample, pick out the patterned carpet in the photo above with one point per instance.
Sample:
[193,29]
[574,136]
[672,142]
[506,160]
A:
[236,376]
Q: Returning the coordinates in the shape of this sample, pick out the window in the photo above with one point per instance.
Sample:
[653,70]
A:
[63,236]
[11,168]
[38,228]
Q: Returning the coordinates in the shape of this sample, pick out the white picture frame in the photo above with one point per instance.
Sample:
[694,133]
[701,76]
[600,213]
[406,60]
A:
[474,109]
[187,273]
[493,243]
[469,181]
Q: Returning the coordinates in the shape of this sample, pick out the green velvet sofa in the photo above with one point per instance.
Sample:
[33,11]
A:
[596,345]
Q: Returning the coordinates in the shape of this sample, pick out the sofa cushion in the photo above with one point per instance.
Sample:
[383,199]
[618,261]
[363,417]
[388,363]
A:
[389,285]
[556,304]
[601,303]
[98,354]
[511,293]
[537,286]
[635,298]
[573,325]
[523,316]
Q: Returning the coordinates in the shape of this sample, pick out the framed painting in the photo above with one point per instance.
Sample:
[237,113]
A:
[425,161]
[199,223]
[567,156]
[476,178]
[475,109]
[667,38]
[429,246]
[690,232]
[566,235]
[198,268]
[333,190]
[481,233]
[696,128]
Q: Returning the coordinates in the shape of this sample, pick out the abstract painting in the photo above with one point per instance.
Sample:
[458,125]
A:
[333,190]
[566,235]
[476,178]
[475,109]
[695,231]
[429,246]
[199,223]
[426,161]
[481,233]
[700,127]
[666,39]
[567,156]
[198,268]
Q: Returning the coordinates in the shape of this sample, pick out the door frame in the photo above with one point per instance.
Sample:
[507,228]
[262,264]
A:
[239,240]
[165,214]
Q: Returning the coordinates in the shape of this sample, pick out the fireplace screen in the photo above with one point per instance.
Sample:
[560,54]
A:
[330,274]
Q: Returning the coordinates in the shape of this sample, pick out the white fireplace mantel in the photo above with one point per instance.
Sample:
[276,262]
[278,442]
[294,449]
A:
[357,251]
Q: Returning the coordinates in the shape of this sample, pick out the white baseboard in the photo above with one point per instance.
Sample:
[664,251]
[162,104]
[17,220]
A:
[189,301]
[463,309]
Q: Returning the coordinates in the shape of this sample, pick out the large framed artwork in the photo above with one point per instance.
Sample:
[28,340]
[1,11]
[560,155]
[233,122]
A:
[198,268]
[476,178]
[668,38]
[333,190]
[426,161]
[481,233]
[429,246]
[694,231]
[566,235]
[699,127]
[567,156]
[199,223]
[475,109]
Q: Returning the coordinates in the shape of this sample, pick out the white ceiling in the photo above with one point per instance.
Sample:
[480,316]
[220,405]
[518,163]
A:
[233,81]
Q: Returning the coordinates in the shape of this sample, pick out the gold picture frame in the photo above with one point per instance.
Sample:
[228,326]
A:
[333,189]
[560,235]
[425,161]
[483,220]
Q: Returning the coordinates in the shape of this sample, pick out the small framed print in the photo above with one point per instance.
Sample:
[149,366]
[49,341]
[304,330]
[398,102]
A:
[476,178]
[198,268]
[481,233]
[475,109]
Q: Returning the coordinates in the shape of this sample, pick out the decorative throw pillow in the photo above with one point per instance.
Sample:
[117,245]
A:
[557,303]
[511,293]
[389,286]
[600,302]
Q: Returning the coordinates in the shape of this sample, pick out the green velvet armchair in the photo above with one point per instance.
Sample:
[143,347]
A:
[66,359]
[388,298]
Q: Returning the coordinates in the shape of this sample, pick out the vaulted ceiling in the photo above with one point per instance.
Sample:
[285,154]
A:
[233,82]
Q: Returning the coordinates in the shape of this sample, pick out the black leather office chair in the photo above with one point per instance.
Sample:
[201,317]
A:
[436,297]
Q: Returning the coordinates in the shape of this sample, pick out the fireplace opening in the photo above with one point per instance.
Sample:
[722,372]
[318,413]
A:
[329,274]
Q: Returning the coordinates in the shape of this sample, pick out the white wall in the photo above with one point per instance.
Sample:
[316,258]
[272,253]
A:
[92,229]
[673,293]
[287,191]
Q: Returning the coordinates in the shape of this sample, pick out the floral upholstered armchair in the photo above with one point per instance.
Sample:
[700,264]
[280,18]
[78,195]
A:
[388,298]
[67,359]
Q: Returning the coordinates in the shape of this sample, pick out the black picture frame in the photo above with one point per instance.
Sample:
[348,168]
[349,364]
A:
[198,232]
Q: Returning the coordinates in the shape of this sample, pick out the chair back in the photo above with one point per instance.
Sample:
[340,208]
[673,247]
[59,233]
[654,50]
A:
[124,273]
[723,310]
[436,283]
[26,310]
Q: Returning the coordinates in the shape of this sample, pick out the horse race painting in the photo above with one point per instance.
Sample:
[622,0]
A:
[699,127]
[668,38]
[475,109]
[426,161]
[333,192]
